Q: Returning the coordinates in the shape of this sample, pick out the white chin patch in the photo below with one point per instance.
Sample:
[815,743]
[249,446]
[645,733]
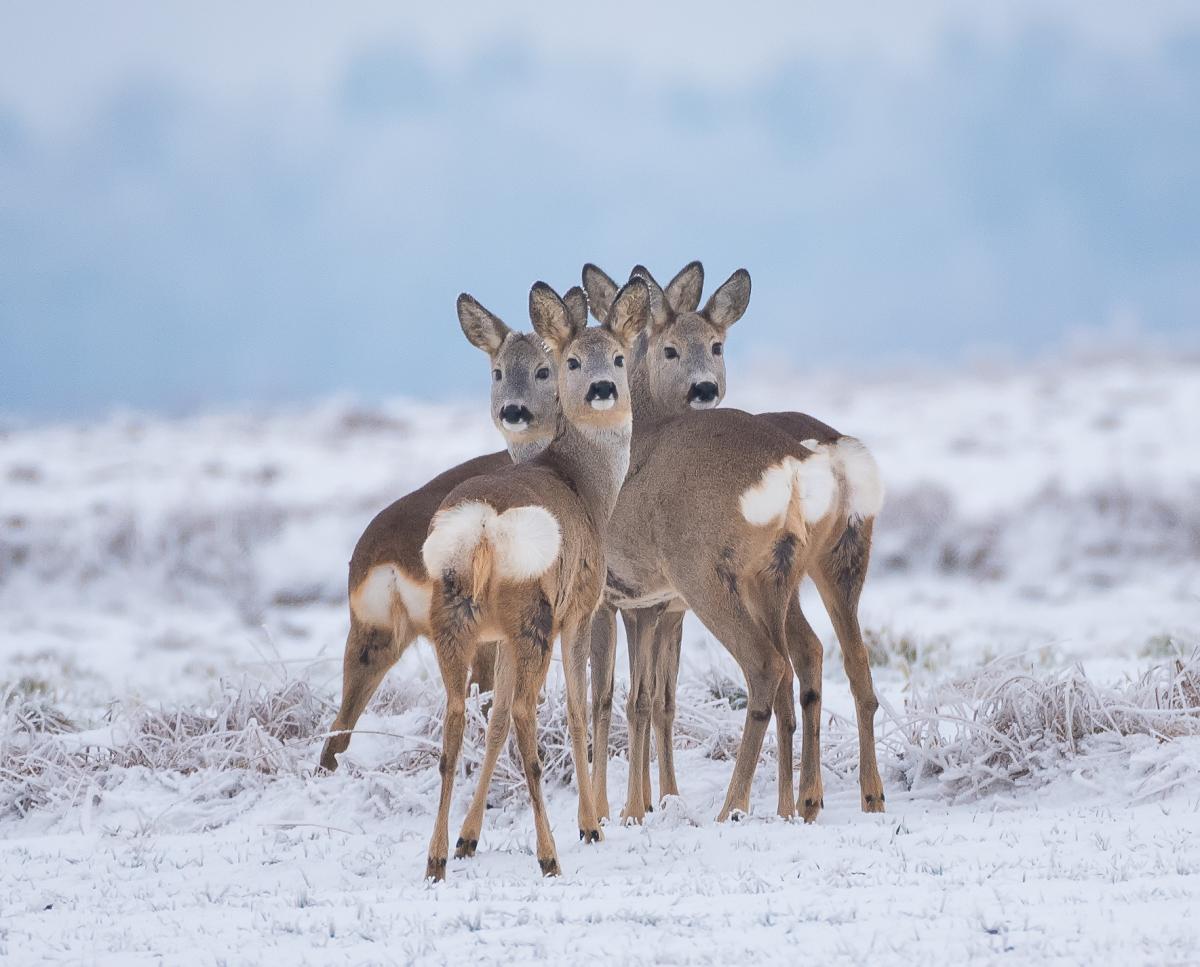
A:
[516,426]
[703,404]
[607,404]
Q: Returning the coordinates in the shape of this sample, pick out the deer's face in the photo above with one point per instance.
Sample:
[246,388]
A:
[685,363]
[524,389]
[593,384]
[593,387]
[683,354]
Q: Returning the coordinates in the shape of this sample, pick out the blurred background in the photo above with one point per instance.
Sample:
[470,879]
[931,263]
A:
[269,202]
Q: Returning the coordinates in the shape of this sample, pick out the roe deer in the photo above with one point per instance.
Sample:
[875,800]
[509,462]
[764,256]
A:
[839,554]
[518,557]
[389,588]
[719,513]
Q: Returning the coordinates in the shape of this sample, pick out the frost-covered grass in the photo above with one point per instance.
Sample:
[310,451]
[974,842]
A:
[172,617]
[999,729]
[202,835]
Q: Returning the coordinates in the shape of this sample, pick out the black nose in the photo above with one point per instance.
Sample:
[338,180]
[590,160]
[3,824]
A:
[512,413]
[702,392]
[603,390]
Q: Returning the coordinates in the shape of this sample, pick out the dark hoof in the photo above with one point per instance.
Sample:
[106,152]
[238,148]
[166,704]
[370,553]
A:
[550,866]
[435,869]
[590,836]
[873,804]
[465,848]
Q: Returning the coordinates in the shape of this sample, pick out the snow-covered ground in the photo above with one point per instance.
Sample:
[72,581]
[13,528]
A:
[1041,520]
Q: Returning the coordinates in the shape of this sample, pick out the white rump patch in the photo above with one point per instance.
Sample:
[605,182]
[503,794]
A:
[857,474]
[812,480]
[861,474]
[525,540]
[373,600]
[767,501]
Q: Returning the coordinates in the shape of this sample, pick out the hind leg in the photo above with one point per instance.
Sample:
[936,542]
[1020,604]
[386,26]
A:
[807,656]
[785,731]
[499,720]
[531,666]
[764,667]
[453,659]
[839,577]
[483,668]
[370,652]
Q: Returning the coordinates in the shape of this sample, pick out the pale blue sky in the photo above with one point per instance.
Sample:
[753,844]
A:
[239,203]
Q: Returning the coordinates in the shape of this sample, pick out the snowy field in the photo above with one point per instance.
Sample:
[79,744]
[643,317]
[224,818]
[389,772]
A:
[172,617]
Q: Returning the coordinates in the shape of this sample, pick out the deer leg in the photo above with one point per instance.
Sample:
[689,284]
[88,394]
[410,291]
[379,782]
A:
[575,652]
[785,731]
[499,720]
[647,791]
[603,658]
[763,665]
[639,628]
[370,652]
[531,673]
[669,639]
[454,660]
[483,668]
[483,672]
[839,578]
[807,658]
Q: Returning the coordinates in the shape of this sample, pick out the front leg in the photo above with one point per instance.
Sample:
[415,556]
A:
[668,641]
[575,652]
[639,630]
[604,653]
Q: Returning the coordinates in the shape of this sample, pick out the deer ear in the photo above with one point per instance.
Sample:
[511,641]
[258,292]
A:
[601,291]
[726,305]
[577,306]
[482,328]
[683,291]
[660,310]
[630,312]
[551,318]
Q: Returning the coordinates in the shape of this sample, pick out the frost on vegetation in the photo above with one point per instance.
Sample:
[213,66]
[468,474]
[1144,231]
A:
[999,729]
[1004,728]
[46,759]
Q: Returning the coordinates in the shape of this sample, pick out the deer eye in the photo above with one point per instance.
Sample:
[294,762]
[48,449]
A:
[671,352]
[718,349]
[496,375]
[619,361]
[543,373]
[572,363]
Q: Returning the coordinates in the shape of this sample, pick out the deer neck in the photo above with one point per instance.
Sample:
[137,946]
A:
[648,413]
[527,449]
[595,460]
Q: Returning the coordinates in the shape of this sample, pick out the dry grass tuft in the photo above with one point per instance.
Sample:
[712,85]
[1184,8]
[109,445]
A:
[1003,728]
[998,730]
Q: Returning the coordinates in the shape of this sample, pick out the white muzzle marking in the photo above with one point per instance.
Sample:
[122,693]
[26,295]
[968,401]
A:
[599,404]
